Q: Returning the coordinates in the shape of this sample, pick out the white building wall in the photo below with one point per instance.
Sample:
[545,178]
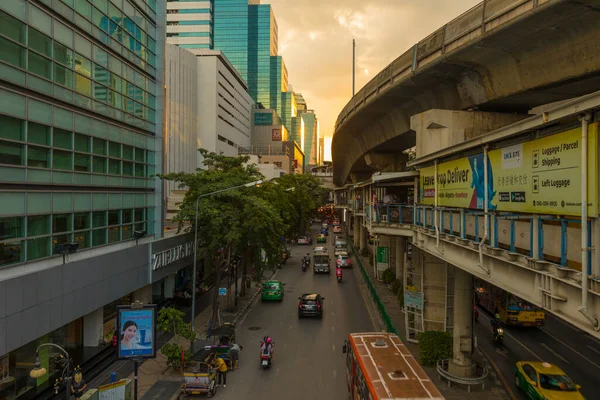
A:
[224,98]
[181,79]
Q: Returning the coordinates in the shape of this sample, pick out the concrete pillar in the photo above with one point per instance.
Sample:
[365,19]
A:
[596,244]
[363,235]
[400,250]
[170,286]
[93,328]
[462,363]
[356,236]
[144,294]
[536,238]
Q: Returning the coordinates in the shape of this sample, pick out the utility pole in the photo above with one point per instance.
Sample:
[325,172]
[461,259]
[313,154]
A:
[353,66]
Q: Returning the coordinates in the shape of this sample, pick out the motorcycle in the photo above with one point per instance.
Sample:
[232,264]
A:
[498,336]
[338,272]
[305,264]
[266,356]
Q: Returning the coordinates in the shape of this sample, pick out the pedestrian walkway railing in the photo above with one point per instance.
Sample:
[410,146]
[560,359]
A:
[381,308]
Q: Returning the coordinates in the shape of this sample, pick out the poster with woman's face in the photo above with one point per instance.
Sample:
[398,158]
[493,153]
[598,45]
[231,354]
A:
[136,331]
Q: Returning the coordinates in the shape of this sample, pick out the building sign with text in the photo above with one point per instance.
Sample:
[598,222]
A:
[540,176]
[171,255]
[263,118]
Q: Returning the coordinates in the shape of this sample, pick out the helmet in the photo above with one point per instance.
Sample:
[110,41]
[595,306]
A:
[497,316]
[268,340]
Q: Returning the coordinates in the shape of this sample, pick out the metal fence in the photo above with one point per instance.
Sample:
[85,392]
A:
[389,324]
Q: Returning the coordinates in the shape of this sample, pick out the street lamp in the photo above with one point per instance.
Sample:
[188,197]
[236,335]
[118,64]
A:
[251,184]
[64,361]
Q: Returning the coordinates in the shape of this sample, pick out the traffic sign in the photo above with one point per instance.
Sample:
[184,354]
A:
[222,291]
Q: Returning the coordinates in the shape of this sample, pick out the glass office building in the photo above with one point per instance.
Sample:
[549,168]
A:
[80,142]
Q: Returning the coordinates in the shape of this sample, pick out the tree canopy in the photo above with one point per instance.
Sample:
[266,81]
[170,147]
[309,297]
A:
[248,216]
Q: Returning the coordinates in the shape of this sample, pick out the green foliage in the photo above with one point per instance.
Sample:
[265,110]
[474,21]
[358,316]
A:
[171,320]
[388,276]
[246,217]
[434,346]
[173,353]
[397,285]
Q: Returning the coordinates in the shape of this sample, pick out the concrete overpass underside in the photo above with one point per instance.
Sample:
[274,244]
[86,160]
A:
[509,59]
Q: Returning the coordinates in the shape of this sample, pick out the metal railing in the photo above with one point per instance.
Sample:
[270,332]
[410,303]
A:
[389,324]
[464,29]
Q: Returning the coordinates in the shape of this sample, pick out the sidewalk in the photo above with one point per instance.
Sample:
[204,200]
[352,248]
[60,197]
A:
[157,381]
[493,388]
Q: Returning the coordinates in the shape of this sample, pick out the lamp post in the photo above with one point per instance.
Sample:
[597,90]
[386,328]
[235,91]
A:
[256,183]
[64,360]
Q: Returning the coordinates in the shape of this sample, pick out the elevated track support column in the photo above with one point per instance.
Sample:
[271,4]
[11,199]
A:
[462,364]
[356,227]
[400,255]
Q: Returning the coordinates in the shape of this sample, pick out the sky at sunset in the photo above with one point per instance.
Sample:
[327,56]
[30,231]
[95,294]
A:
[315,39]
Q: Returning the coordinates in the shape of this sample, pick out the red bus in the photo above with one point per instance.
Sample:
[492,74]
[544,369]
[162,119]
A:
[379,366]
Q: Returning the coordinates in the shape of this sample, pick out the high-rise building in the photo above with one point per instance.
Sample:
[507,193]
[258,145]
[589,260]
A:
[310,136]
[81,133]
[190,24]
[262,45]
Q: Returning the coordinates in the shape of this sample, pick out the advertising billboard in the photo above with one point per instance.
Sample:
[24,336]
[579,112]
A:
[540,176]
[276,134]
[137,332]
[261,118]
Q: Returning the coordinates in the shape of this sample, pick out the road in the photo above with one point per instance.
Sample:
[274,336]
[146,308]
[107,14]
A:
[574,351]
[308,360]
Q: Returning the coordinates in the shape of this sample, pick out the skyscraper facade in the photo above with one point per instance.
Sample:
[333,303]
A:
[81,129]
[190,24]
[262,45]
[310,135]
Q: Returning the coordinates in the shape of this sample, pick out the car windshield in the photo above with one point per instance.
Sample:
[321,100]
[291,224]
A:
[271,286]
[343,258]
[557,382]
[310,302]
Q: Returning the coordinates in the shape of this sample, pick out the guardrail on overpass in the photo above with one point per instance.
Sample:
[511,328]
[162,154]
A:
[468,27]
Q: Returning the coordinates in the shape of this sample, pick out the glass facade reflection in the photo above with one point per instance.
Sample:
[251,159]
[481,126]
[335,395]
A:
[231,35]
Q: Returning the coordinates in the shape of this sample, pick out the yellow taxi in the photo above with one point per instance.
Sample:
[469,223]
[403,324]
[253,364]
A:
[544,381]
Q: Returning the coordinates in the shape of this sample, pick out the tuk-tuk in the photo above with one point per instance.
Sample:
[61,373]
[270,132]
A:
[321,239]
[199,375]
[226,337]
[285,254]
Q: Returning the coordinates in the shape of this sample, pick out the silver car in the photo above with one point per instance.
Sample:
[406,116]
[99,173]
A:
[343,260]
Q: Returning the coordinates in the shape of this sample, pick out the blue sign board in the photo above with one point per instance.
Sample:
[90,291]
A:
[261,118]
[413,299]
[137,330]
[222,291]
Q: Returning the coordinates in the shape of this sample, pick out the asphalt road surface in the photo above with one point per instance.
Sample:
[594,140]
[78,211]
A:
[308,362]
[574,351]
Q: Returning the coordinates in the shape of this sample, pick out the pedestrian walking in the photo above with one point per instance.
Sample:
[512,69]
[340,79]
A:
[235,355]
[221,372]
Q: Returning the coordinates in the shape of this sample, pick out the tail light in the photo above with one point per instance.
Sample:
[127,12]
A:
[348,261]
[318,306]
[299,305]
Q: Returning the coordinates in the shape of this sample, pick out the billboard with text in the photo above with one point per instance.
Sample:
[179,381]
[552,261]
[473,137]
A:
[540,176]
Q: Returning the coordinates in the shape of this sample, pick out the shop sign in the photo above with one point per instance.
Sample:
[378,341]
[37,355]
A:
[169,256]
[261,118]
[276,134]
[413,299]
[539,176]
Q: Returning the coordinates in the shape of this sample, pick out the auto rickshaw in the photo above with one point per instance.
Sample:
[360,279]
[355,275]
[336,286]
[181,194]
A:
[199,375]
[225,334]
[285,254]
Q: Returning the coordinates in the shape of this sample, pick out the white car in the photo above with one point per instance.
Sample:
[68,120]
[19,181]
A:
[343,260]
[304,240]
[320,248]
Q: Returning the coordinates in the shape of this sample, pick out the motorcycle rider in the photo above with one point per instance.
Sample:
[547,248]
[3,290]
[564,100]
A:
[495,322]
[306,260]
[338,271]
[266,347]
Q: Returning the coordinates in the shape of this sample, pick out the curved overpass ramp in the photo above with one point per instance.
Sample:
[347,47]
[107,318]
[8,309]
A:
[502,55]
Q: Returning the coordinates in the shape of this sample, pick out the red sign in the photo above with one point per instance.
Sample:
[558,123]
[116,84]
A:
[276,135]
[295,163]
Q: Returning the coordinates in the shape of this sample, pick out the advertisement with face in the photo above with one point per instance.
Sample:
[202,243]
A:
[136,332]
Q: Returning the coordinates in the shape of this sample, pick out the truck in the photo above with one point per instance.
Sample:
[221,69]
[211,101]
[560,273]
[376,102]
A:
[321,262]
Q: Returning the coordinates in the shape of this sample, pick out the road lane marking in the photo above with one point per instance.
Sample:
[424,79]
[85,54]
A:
[502,352]
[594,349]
[334,374]
[332,313]
[544,345]
[290,327]
[334,347]
[570,348]
[507,388]
[516,340]
[333,329]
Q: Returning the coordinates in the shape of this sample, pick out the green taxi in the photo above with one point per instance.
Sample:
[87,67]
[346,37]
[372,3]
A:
[542,380]
[321,239]
[272,290]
